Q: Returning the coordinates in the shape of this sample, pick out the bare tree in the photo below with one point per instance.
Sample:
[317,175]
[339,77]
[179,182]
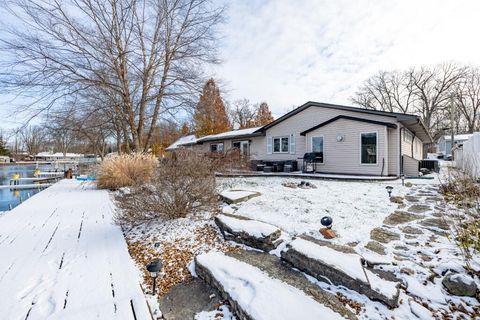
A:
[146,53]
[242,114]
[424,91]
[34,139]
[387,91]
[433,89]
[467,98]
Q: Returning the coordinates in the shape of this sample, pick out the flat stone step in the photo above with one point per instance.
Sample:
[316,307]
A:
[280,270]
[185,300]
[236,196]
[341,269]
[253,233]
[255,295]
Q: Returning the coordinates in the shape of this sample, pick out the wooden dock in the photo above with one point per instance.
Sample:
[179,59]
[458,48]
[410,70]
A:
[26,186]
[63,257]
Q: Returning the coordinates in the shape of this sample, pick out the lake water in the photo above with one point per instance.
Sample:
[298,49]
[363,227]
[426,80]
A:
[15,197]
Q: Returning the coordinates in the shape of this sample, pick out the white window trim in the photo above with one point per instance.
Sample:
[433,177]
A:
[311,146]
[376,143]
[405,132]
[280,137]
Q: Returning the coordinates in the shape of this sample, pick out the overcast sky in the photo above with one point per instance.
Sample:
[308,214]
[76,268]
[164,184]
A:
[287,52]
[290,52]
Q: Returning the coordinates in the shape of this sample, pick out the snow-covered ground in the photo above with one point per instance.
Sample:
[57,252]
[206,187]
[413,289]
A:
[62,257]
[356,207]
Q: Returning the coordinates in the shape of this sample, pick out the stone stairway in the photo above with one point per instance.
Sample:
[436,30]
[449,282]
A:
[335,264]
[261,285]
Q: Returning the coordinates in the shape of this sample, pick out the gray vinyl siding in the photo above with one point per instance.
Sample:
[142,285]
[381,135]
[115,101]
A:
[393,154]
[410,166]
[414,149]
[302,121]
[345,156]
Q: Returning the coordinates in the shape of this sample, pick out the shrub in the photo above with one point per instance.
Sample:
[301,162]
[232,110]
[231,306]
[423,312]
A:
[230,160]
[461,190]
[126,170]
[181,185]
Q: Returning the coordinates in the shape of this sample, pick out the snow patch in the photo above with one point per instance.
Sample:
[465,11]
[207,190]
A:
[262,297]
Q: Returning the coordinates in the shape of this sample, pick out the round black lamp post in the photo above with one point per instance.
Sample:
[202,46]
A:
[327,222]
[389,190]
[154,268]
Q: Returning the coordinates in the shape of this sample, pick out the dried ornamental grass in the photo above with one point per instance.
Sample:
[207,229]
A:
[126,170]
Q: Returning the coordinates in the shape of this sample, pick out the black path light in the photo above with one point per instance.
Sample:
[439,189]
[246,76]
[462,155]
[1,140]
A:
[403,180]
[327,222]
[154,268]
[389,190]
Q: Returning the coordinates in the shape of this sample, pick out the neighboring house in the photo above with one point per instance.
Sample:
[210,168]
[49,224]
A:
[184,142]
[444,143]
[49,156]
[352,140]
[4,159]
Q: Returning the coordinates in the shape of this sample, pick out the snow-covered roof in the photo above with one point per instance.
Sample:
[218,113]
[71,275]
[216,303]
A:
[190,139]
[58,155]
[229,134]
[458,137]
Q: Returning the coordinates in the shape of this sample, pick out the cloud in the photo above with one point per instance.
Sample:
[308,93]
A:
[289,52]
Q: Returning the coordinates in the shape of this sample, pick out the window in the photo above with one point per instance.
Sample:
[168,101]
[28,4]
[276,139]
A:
[280,145]
[216,147]
[368,142]
[407,136]
[317,145]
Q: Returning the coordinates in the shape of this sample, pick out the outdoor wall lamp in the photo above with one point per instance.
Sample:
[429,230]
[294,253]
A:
[327,222]
[389,190]
[154,268]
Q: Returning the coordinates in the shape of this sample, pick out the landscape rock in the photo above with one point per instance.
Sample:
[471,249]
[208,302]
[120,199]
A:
[411,230]
[399,217]
[408,271]
[223,272]
[250,232]
[411,198]
[236,196]
[275,268]
[436,223]
[419,208]
[408,184]
[383,235]
[376,247]
[460,285]
[396,199]
[326,265]
[187,299]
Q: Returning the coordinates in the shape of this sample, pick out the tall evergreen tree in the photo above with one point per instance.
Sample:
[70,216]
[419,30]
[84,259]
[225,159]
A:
[264,115]
[210,115]
[3,148]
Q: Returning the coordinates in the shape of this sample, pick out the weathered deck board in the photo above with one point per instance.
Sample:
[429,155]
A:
[62,257]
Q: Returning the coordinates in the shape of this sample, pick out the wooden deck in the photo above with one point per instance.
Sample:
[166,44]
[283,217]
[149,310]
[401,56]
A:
[62,257]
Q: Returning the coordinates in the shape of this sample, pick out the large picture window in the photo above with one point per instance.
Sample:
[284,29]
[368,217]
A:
[317,145]
[368,143]
[280,145]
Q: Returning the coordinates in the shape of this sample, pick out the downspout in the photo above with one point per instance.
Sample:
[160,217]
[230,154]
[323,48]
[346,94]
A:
[400,150]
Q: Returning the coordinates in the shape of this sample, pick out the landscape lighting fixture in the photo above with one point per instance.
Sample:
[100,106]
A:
[403,180]
[327,222]
[389,190]
[154,268]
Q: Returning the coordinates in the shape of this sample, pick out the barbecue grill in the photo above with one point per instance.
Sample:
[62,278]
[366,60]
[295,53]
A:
[310,160]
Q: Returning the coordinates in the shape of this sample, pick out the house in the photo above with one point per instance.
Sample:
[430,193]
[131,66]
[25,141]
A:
[351,140]
[444,143]
[49,156]
[4,159]
[186,141]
